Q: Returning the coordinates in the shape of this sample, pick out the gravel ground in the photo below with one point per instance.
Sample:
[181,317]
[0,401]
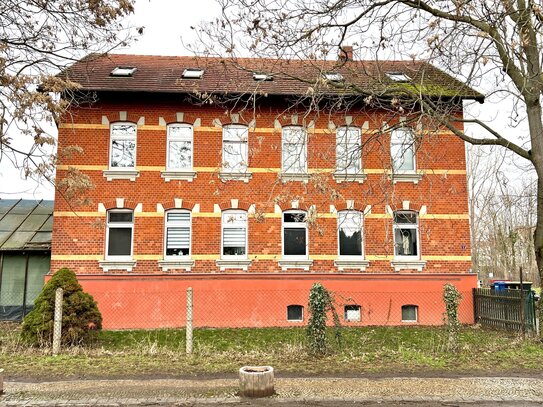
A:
[290,392]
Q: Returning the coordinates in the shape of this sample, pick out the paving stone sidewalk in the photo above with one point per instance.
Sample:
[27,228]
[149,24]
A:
[224,391]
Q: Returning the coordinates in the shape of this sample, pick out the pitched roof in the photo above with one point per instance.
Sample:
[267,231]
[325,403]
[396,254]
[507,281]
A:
[163,74]
[25,224]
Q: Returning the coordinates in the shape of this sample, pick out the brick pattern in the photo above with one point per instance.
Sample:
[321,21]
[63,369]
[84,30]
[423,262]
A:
[441,193]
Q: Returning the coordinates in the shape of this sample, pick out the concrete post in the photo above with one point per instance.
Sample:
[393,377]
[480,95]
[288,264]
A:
[57,327]
[189,321]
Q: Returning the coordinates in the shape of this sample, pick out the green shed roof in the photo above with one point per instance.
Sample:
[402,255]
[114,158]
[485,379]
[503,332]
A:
[25,224]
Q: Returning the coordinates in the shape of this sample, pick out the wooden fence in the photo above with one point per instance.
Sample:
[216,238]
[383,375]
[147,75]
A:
[501,309]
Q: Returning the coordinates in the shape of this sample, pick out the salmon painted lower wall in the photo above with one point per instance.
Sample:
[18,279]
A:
[238,300]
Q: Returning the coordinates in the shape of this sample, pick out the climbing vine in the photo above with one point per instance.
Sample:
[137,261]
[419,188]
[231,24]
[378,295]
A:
[321,302]
[452,298]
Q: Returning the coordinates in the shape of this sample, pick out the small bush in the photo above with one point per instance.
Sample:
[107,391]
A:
[80,315]
[452,298]
[321,301]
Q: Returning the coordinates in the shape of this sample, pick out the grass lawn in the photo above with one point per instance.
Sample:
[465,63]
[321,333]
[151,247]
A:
[367,350]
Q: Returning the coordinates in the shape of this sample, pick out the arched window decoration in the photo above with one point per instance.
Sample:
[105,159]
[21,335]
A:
[234,234]
[177,234]
[295,234]
[295,313]
[402,150]
[294,150]
[119,234]
[406,235]
[350,234]
[179,147]
[235,150]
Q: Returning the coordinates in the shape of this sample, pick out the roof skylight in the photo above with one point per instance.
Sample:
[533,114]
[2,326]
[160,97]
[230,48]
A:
[333,76]
[192,73]
[262,76]
[398,76]
[123,71]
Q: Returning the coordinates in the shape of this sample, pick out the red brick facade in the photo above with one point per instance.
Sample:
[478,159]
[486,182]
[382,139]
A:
[439,198]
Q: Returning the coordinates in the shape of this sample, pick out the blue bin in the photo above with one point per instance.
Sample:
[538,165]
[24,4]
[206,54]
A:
[500,285]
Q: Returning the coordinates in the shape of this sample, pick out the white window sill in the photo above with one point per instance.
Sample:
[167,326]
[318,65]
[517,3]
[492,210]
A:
[178,175]
[345,177]
[286,177]
[287,264]
[413,177]
[107,265]
[242,264]
[407,264]
[121,174]
[343,264]
[176,264]
[235,176]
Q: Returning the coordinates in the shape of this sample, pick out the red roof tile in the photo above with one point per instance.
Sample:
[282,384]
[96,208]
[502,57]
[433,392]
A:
[291,77]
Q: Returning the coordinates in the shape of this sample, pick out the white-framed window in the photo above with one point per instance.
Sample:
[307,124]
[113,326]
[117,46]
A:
[402,150]
[350,234]
[410,313]
[348,150]
[179,147]
[406,235]
[119,234]
[295,235]
[352,313]
[234,234]
[177,235]
[294,150]
[235,149]
[295,313]
[122,149]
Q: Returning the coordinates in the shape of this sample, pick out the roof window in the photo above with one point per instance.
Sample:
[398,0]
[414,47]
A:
[333,76]
[262,77]
[398,76]
[123,71]
[193,73]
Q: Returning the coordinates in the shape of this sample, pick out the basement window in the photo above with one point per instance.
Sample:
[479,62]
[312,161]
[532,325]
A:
[352,313]
[123,71]
[398,76]
[295,313]
[333,76]
[192,73]
[410,313]
[261,77]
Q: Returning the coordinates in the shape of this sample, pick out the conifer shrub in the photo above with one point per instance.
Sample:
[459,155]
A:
[81,318]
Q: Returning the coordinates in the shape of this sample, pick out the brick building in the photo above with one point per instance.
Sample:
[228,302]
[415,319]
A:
[259,177]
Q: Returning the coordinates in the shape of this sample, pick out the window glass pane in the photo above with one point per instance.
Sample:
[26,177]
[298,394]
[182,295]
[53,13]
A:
[295,313]
[294,217]
[235,133]
[409,313]
[13,280]
[120,217]
[179,154]
[234,219]
[38,267]
[352,313]
[123,153]
[234,156]
[177,241]
[405,242]
[350,233]
[294,158]
[402,150]
[120,242]
[405,218]
[179,132]
[294,242]
[179,217]
[348,150]
[123,130]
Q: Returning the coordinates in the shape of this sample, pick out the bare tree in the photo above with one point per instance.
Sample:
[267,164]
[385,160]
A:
[38,38]
[492,45]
